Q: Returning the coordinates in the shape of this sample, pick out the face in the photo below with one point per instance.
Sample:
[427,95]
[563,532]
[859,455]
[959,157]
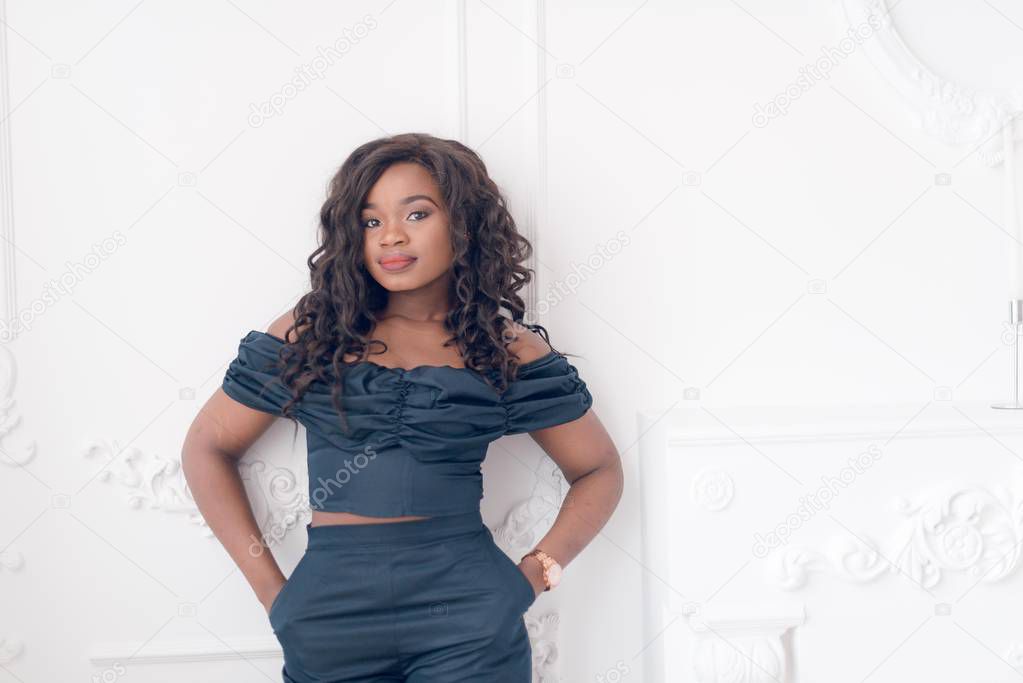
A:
[407,242]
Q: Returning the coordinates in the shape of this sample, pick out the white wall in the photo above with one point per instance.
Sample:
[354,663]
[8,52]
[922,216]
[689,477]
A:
[830,266]
[841,285]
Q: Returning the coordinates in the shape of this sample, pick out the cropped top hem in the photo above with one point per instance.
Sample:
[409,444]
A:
[415,437]
[396,511]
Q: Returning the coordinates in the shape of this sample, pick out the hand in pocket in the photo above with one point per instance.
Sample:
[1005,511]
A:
[268,601]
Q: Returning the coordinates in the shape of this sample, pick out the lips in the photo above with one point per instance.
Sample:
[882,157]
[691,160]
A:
[397,261]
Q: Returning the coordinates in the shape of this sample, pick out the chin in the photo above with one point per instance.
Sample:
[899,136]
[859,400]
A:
[397,282]
[401,288]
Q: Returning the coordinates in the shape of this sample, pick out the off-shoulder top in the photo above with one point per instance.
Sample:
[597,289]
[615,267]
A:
[416,437]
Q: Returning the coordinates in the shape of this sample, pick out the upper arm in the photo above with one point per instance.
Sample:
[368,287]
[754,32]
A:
[226,426]
[553,405]
[249,398]
[578,447]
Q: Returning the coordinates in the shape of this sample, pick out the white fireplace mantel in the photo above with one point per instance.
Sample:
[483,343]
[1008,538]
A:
[917,517]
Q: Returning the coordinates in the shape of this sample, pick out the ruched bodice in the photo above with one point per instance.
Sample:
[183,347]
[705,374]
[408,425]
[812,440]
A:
[416,437]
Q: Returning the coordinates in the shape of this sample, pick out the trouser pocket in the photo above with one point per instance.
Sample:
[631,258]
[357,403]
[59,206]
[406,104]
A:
[518,584]
[298,581]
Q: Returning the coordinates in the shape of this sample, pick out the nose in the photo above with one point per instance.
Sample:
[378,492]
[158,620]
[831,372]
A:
[392,233]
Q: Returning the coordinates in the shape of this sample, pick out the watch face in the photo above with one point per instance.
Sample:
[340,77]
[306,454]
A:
[554,574]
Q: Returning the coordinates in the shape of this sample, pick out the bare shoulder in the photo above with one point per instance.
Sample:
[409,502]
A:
[526,345]
[279,328]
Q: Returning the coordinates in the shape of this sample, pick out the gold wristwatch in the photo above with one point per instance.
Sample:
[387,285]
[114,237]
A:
[551,569]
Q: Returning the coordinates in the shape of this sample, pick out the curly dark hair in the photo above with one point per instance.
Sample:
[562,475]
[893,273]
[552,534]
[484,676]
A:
[335,318]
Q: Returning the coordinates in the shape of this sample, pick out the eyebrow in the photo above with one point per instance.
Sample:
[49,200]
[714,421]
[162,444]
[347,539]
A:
[406,200]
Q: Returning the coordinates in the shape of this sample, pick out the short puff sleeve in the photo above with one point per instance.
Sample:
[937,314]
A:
[252,378]
[547,392]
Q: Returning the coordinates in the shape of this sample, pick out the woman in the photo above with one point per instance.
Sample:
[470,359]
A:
[403,370]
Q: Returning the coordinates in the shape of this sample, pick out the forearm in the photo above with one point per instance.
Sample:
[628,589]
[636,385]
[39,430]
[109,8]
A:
[590,502]
[219,493]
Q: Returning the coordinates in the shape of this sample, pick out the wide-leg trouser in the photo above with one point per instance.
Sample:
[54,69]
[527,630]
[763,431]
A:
[424,601]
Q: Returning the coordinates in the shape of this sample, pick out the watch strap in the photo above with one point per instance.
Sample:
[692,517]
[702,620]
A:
[546,561]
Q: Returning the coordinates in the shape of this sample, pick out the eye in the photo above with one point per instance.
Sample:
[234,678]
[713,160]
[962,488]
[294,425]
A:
[366,222]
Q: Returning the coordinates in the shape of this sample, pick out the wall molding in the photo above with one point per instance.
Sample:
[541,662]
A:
[152,482]
[837,423]
[8,291]
[743,643]
[971,530]
[955,515]
[15,455]
[184,652]
[951,111]
[712,489]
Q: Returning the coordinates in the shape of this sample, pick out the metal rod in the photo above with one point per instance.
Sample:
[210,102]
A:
[1016,323]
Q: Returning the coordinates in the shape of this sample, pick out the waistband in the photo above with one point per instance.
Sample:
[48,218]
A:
[383,534]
